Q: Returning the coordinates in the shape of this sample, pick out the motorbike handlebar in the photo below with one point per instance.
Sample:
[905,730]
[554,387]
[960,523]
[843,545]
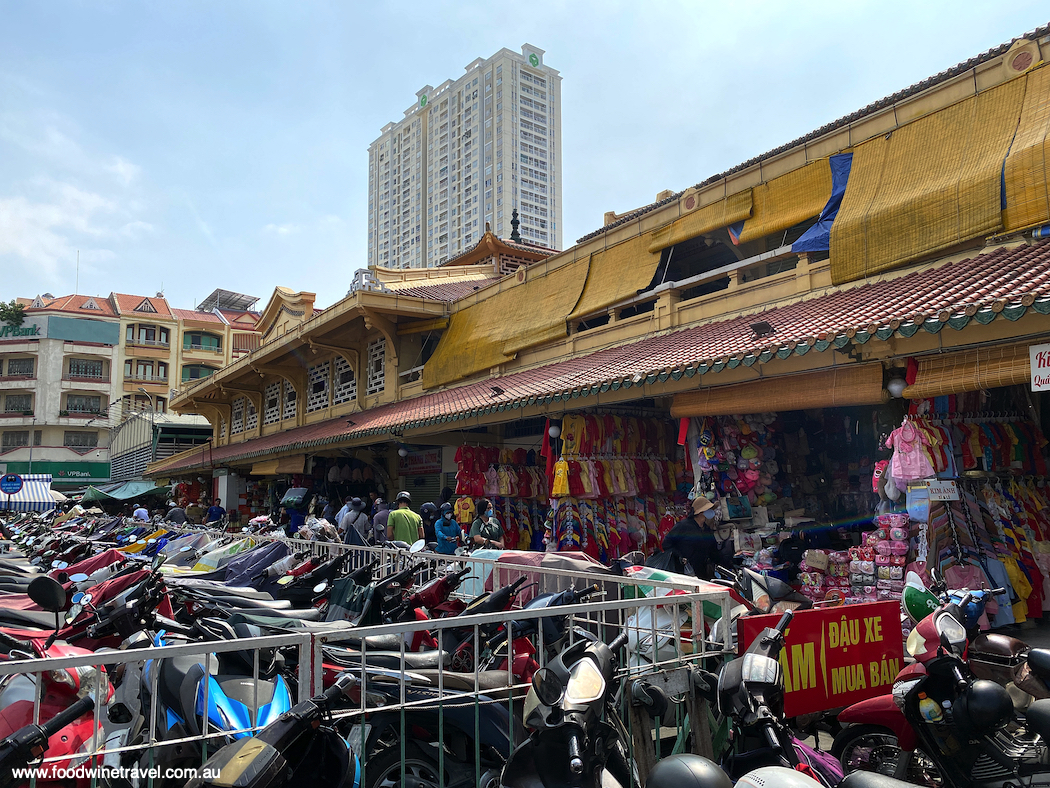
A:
[64,718]
[619,642]
[784,621]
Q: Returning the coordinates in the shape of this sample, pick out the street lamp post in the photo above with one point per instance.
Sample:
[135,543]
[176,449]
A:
[32,440]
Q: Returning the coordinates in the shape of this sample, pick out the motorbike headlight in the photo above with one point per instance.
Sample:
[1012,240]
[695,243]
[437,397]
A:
[901,690]
[64,678]
[951,632]
[586,683]
[88,677]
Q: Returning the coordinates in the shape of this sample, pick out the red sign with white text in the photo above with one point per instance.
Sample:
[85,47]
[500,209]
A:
[834,656]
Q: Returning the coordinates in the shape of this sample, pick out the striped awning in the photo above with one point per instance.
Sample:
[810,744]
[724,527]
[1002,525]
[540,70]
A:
[35,495]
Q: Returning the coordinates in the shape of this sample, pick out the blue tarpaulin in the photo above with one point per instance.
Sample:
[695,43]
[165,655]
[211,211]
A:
[818,237]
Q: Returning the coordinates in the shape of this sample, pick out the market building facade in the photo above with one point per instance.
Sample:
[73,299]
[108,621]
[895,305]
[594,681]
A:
[751,338]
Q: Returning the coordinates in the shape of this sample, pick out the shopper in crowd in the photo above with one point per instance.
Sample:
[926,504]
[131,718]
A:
[330,510]
[141,513]
[446,530]
[177,513]
[215,512]
[296,520]
[402,524]
[429,513]
[485,532]
[342,512]
[692,540]
[355,526]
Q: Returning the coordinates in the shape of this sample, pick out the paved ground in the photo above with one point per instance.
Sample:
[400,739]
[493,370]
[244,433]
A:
[1035,633]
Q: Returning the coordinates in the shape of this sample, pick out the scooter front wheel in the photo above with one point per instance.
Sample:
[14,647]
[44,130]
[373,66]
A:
[873,748]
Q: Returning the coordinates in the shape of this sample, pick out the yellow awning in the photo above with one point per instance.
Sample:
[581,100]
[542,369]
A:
[925,186]
[616,274]
[857,384]
[785,201]
[719,214]
[1026,193]
[293,464]
[973,370]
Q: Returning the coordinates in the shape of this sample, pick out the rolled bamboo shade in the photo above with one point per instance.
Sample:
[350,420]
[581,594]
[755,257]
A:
[972,370]
[293,464]
[857,384]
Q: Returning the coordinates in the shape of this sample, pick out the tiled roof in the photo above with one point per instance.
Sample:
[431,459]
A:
[445,291]
[1004,282]
[75,303]
[126,304]
[842,122]
[239,317]
[193,314]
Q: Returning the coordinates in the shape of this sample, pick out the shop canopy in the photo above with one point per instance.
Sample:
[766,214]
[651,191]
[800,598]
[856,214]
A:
[124,491]
[35,495]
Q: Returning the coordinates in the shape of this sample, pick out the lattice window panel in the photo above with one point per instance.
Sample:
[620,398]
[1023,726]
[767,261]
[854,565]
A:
[272,403]
[344,382]
[237,422]
[222,429]
[291,403]
[317,387]
[376,366]
[251,415]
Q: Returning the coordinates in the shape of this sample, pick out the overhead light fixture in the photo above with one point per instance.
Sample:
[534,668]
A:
[762,328]
[402,451]
[554,431]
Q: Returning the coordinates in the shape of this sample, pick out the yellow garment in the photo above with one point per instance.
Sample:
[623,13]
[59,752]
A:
[560,489]
[1021,586]
[926,186]
[572,427]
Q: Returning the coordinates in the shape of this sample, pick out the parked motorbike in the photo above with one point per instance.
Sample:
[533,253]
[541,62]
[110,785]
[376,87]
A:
[944,724]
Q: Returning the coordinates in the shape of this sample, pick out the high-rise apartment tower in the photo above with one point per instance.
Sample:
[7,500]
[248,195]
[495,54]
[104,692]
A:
[467,153]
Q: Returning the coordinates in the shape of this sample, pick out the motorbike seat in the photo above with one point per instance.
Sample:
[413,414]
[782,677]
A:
[32,618]
[1039,662]
[422,660]
[277,605]
[310,614]
[865,779]
[488,680]
[1037,717]
[375,642]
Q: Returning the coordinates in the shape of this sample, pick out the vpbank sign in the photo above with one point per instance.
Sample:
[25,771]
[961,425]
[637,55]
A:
[30,328]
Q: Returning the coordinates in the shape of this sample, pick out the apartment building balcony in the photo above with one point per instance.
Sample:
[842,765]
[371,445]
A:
[17,381]
[149,382]
[86,382]
[147,348]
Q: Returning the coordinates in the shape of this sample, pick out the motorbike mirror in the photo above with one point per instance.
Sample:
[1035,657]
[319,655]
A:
[36,560]
[48,593]
[77,597]
[59,565]
[548,686]
[87,599]
[158,561]
[151,541]
[286,580]
[141,541]
[74,613]
[418,546]
[185,549]
[79,577]
[321,587]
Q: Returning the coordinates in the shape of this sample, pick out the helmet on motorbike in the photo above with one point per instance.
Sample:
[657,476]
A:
[775,777]
[688,771]
[984,707]
[403,496]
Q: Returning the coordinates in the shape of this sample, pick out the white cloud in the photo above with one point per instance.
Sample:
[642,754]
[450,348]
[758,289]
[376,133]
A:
[282,229]
[136,229]
[124,170]
[38,231]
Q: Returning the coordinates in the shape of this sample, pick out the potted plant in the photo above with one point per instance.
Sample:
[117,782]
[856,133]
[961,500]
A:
[27,413]
[63,413]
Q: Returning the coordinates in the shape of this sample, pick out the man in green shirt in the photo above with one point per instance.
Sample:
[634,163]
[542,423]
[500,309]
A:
[402,524]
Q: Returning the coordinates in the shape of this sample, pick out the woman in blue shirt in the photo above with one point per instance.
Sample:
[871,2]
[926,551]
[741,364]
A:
[446,529]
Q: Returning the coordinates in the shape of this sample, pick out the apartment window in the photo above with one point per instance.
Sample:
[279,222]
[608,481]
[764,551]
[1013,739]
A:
[85,368]
[80,440]
[21,367]
[196,372]
[83,403]
[148,335]
[14,439]
[18,403]
[149,371]
[251,415]
[197,340]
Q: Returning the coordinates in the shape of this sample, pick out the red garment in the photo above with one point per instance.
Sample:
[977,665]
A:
[524,484]
[641,476]
[683,431]
[576,488]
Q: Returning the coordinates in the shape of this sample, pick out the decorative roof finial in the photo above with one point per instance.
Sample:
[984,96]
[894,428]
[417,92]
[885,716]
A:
[514,234]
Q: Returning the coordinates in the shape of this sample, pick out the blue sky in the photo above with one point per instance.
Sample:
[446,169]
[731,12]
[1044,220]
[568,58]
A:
[189,145]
